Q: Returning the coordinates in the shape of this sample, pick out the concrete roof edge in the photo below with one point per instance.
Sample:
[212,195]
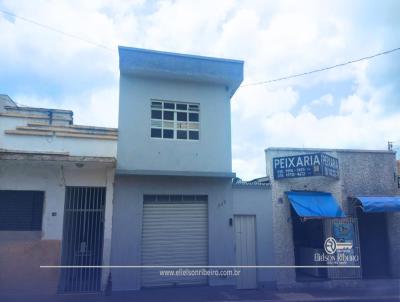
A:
[39,109]
[6,154]
[328,150]
[196,57]
[123,172]
[182,67]
[251,186]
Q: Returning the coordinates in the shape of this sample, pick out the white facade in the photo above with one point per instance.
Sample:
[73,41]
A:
[38,153]
[30,131]
[140,153]
[255,201]
[128,216]
[179,171]
[147,76]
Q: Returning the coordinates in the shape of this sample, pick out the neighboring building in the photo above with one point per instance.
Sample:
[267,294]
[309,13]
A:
[252,212]
[349,195]
[56,188]
[173,201]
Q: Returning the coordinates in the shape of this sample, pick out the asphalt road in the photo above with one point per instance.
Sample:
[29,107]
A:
[212,294]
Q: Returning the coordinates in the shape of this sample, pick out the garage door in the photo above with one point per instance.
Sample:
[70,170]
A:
[175,232]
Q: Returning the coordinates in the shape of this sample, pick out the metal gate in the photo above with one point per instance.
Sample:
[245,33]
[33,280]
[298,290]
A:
[82,243]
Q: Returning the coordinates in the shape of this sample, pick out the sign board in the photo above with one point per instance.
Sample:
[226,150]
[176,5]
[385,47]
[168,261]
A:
[316,164]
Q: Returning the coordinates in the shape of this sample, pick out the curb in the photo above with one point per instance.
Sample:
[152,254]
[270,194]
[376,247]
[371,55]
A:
[321,299]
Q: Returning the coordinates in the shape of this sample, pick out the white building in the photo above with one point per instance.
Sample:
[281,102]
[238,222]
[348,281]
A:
[174,203]
[168,199]
[44,158]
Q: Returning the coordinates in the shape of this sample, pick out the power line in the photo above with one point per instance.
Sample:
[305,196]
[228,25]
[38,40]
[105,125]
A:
[243,85]
[322,69]
[57,30]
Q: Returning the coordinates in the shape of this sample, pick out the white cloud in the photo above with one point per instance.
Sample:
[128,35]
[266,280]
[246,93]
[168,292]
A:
[350,131]
[274,38]
[352,104]
[185,26]
[260,102]
[249,168]
[325,100]
[99,107]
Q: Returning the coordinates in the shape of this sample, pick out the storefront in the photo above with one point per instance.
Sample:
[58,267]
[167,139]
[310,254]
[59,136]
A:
[372,213]
[337,210]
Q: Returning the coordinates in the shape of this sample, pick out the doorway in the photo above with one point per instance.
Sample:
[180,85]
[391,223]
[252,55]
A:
[308,239]
[245,246]
[174,232]
[374,244]
[82,243]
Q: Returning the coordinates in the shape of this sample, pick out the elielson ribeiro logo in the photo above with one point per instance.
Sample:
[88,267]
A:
[337,253]
[330,245]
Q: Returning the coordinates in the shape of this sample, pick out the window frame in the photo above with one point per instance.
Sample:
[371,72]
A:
[34,201]
[175,121]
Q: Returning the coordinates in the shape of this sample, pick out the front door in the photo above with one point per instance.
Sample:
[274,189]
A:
[82,243]
[373,243]
[245,246]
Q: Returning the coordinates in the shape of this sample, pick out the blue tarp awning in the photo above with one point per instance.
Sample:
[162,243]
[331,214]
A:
[314,204]
[371,204]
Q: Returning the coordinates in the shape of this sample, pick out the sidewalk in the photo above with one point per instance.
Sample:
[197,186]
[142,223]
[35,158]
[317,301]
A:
[213,294]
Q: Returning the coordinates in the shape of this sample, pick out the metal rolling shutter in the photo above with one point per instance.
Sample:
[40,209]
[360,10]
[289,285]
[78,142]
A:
[175,232]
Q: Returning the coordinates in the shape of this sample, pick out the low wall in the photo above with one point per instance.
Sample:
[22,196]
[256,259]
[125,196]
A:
[256,200]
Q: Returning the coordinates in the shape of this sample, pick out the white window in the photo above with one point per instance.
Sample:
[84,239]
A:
[171,120]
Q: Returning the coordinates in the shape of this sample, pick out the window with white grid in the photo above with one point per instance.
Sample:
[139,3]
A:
[173,120]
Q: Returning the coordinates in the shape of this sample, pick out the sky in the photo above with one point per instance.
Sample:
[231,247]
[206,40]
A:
[355,106]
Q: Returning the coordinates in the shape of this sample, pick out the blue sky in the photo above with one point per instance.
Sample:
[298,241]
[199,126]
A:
[357,106]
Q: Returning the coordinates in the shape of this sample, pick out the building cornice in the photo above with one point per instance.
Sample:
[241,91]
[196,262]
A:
[123,172]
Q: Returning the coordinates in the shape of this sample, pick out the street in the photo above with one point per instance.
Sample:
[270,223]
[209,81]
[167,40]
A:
[213,294]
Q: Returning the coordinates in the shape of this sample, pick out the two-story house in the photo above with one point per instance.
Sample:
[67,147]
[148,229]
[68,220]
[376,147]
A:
[173,197]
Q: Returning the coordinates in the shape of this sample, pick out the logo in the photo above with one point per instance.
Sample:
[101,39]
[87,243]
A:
[330,245]
[344,245]
[337,253]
